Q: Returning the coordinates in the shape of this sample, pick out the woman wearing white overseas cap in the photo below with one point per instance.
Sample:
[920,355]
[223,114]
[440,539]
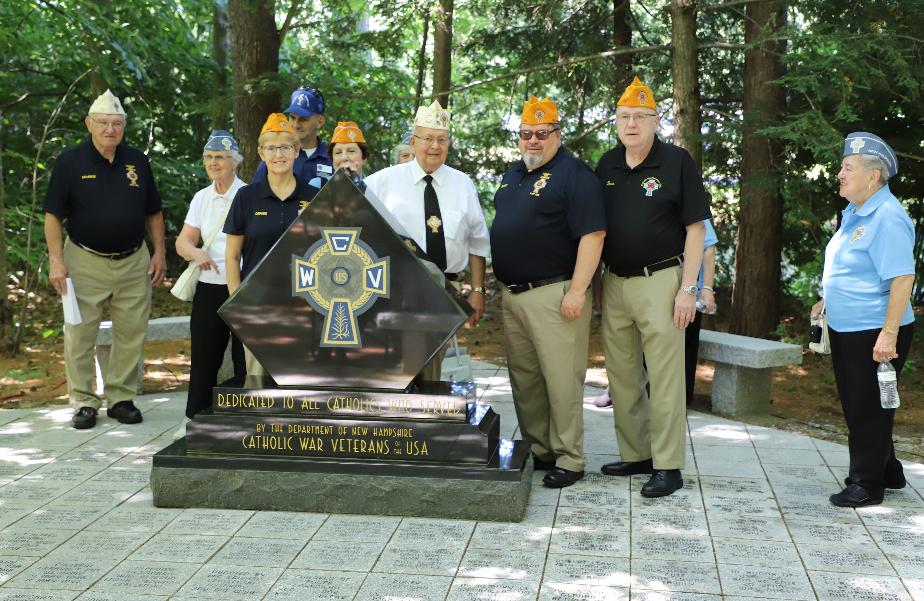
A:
[868,276]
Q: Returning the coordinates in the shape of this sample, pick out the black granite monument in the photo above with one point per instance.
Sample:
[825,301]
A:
[343,315]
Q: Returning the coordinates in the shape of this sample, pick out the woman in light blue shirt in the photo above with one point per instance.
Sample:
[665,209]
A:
[867,282]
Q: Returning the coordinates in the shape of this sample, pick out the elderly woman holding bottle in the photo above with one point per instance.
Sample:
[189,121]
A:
[867,282]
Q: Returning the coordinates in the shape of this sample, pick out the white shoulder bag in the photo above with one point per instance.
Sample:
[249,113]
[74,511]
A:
[185,286]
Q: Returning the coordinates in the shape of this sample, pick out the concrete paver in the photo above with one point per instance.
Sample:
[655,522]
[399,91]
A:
[752,522]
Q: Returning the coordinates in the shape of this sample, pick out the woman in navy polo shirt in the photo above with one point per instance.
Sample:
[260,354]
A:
[867,282]
[264,210]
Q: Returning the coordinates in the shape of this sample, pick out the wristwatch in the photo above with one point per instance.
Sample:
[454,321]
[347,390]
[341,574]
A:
[692,289]
[479,289]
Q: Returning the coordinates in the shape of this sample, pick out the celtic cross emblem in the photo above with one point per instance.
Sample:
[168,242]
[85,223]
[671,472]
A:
[341,278]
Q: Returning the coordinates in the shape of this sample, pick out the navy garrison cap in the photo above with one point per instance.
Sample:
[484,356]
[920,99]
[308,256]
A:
[306,102]
[861,142]
[221,139]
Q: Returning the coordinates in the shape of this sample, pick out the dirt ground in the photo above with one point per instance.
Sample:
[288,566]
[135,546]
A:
[804,397]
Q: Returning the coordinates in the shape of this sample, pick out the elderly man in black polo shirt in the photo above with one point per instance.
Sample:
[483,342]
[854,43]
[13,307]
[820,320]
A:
[546,240]
[103,192]
[655,205]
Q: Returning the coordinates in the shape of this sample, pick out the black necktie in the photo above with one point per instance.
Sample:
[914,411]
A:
[433,221]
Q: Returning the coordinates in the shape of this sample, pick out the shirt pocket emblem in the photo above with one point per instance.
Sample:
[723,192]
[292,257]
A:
[650,184]
[132,176]
[857,234]
[540,183]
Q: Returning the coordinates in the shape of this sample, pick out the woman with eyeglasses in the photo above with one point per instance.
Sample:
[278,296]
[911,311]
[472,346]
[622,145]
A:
[204,221]
[263,211]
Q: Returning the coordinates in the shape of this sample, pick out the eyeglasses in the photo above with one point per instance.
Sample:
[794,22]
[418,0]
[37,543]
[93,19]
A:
[208,158]
[283,149]
[116,124]
[637,117]
[541,134]
[428,141]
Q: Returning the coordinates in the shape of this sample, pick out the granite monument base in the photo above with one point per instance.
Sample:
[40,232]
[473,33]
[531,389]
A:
[497,491]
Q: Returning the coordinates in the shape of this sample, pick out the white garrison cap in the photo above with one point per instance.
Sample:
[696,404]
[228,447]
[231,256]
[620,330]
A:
[433,116]
[108,104]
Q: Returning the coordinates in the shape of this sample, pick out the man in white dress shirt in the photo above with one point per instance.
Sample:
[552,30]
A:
[438,205]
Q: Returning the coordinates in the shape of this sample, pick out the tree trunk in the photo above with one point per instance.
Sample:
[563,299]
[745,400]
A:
[684,63]
[254,64]
[622,37]
[422,60]
[221,116]
[442,52]
[756,293]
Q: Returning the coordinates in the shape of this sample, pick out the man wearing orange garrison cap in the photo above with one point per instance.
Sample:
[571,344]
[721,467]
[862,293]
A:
[656,205]
[264,210]
[546,239]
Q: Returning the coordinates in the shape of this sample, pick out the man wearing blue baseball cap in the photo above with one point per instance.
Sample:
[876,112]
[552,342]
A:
[306,116]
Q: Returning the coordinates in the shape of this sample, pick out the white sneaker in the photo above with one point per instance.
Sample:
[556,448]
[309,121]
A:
[181,431]
[604,399]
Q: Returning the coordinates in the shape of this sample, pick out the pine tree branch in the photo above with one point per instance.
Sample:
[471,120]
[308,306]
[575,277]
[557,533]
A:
[287,24]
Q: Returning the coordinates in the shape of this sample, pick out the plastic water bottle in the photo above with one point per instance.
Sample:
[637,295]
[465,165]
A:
[701,307]
[888,386]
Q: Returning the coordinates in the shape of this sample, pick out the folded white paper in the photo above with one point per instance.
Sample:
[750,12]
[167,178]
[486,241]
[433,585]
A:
[69,300]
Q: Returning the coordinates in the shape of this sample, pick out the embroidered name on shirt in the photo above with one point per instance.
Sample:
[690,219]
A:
[541,183]
[610,183]
[650,184]
[302,204]
[91,176]
[260,213]
[857,234]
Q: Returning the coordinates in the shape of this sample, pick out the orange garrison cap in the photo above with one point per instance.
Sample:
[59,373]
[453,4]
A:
[538,112]
[346,132]
[637,94]
[276,123]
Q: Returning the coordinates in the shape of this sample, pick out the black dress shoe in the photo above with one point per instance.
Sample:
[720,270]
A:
[84,419]
[542,464]
[627,468]
[662,483]
[855,496]
[560,478]
[125,412]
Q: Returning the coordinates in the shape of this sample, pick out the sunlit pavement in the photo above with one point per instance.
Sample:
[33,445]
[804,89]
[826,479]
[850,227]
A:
[752,522]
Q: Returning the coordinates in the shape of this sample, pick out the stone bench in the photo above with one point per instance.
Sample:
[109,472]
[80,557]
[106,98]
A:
[161,328]
[743,369]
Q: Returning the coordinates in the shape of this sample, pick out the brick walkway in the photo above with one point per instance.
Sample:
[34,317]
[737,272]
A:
[752,522]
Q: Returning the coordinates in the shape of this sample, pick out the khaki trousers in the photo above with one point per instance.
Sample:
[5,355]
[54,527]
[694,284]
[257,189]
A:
[254,368]
[126,285]
[638,319]
[547,362]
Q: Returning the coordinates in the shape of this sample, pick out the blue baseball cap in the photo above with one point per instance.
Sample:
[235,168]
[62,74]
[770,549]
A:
[221,139]
[861,142]
[306,102]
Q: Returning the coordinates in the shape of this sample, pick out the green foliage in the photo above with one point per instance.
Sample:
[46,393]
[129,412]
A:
[849,66]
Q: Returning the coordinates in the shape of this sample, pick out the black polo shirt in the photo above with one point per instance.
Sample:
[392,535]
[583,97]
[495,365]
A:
[540,217]
[258,215]
[104,205]
[648,207]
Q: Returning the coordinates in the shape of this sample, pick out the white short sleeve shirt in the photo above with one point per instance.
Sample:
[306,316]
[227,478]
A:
[401,189]
[207,212]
